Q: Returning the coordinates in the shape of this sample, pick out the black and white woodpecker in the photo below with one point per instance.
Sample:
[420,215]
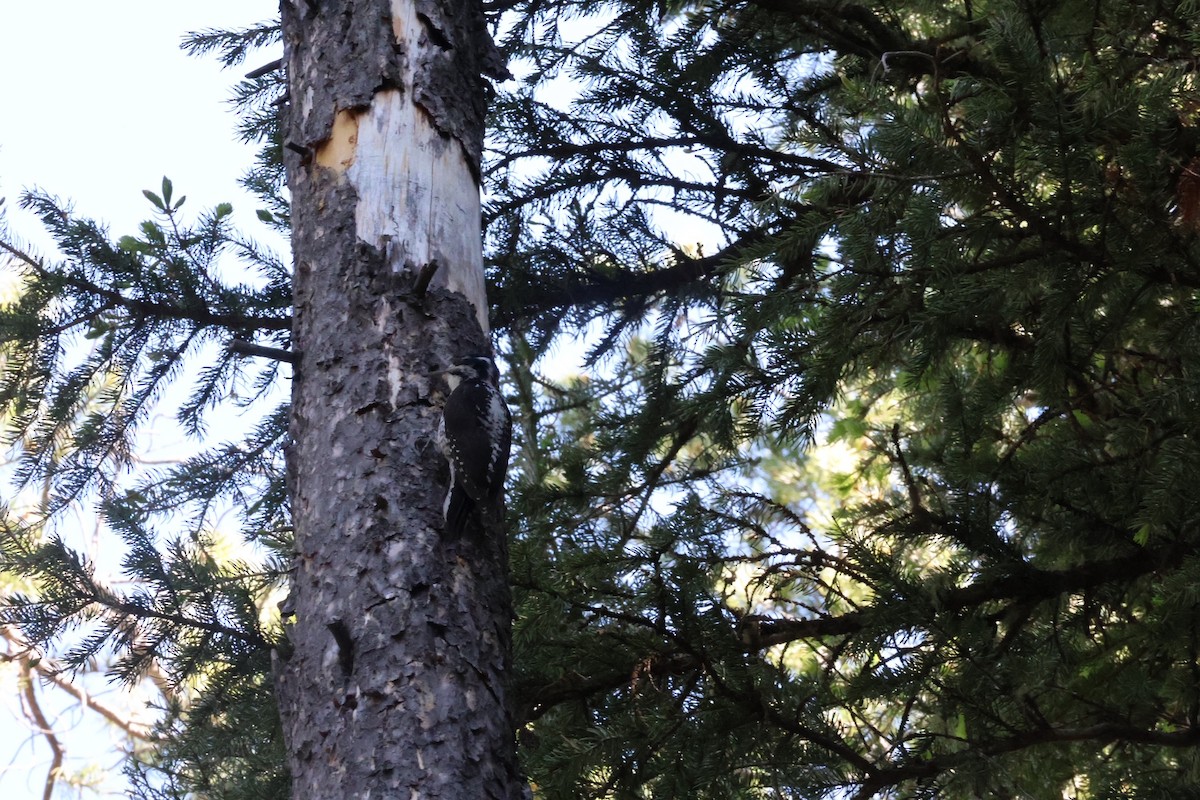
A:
[475,434]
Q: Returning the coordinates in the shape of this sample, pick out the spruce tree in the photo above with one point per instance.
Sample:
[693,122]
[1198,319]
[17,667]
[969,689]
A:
[387,657]
[878,481]
[392,680]
[886,490]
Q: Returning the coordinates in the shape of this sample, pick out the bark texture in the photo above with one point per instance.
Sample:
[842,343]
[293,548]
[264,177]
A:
[394,684]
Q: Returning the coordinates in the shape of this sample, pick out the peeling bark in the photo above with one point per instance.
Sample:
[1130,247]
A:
[394,686]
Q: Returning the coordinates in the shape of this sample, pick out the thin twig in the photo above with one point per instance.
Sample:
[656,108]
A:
[244,348]
[48,672]
[33,710]
[264,69]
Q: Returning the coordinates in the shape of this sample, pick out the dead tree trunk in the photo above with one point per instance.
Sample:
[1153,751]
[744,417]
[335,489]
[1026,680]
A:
[394,683]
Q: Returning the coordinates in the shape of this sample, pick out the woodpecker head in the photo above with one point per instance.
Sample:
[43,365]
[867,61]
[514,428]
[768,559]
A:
[473,368]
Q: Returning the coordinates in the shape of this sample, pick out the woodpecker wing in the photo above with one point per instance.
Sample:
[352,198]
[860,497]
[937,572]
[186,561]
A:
[476,433]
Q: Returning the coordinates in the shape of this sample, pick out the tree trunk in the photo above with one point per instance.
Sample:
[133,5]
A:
[399,644]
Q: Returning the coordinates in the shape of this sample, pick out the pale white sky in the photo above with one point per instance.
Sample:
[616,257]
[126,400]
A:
[97,102]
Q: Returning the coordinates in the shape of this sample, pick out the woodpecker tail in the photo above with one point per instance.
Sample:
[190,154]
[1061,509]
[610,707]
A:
[460,513]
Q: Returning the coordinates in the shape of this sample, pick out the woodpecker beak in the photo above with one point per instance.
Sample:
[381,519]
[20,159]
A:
[453,374]
[458,370]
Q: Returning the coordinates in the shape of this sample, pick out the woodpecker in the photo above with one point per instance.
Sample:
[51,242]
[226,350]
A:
[474,434]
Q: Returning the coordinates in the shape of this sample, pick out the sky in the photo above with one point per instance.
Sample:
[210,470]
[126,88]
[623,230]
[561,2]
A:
[97,103]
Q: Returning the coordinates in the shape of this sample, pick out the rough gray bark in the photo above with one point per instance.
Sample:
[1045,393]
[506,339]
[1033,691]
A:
[394,683]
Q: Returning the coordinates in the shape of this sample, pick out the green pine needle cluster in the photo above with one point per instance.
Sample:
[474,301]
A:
[951,248]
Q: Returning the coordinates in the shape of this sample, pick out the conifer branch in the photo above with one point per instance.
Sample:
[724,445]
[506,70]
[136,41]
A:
[598,289]
[152,309]
[265,69]
[244,348]
[878,779]
[1032,585]
[722,144]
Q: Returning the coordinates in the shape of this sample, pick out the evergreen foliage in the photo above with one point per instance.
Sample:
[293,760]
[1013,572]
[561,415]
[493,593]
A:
[113,332]
[956,249]
[882,489]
